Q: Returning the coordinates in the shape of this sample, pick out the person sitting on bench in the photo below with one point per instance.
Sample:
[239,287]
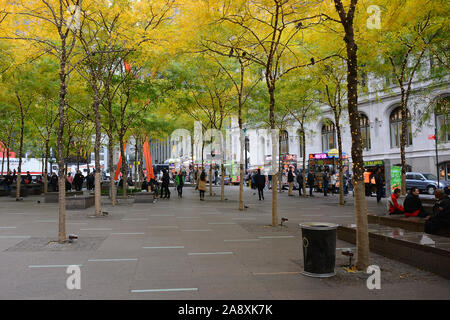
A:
[394,207]
[413,206]
[441,213]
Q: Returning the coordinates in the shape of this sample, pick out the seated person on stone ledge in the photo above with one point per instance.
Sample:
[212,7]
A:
[413,206]
[144,186]
[441,213]
[394,207]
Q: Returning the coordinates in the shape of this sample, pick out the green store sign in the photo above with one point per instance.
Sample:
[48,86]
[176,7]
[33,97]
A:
[374,163]
[396,177]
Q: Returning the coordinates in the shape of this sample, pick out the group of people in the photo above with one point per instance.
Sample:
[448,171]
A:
[412,207]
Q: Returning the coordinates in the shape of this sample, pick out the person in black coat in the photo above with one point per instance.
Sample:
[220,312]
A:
[441,213]
[412,204]
[379,183]
[311,182]
[290,180]
[78,180]
[260,181]
[54,182]
[165,185]
[325,183]
[300,183]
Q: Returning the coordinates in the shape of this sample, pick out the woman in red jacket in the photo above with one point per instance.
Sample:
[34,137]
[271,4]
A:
[394,207]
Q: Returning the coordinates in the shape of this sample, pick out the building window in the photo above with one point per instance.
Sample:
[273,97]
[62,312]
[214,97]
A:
[284,142]
[395,121]
[442,112]
[364,126]
[328,136]
[300,144]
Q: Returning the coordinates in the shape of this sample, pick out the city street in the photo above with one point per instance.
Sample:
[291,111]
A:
[188,249]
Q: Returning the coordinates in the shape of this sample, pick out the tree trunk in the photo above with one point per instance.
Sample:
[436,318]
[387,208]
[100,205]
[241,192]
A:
[61,178]
[304,161]
[135,159]
[141,161]
[362,235]
[46,166]
[275,157]
[241,166]
[123,168]
[97,177]
[19,168]
[112,186]
[403,141]
[340,167]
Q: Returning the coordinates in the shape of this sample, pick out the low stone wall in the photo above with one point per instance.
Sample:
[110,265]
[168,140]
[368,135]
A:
[427,252]
[79,202]
[53,197]
[144,197]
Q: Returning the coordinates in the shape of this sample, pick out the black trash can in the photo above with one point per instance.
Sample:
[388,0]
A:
[319,249]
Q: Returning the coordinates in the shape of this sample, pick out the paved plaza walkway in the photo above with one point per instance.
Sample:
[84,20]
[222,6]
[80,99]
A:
[189,249]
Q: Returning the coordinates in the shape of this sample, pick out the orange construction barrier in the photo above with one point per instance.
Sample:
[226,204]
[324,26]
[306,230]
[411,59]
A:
[148,162]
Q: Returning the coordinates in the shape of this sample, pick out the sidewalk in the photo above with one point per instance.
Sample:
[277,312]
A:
[188,249]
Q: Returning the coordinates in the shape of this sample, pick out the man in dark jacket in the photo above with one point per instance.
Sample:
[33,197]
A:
[54,182]
[78,180]
[441,213]
[290,180]
[260,181]
[379,183]
[311,183]
[8,182]
[300,183]
[412,204]
[325,183]
[165,184]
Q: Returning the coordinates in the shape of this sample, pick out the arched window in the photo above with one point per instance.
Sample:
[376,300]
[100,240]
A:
[364,126]
[395,121]
[284,142]
[442,112]
[300,143]
[328,136]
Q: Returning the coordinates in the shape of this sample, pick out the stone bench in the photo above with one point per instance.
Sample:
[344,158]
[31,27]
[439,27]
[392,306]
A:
[416,224]
[144,197]
[79,202]
[424,251]
[53,197]
[35,189]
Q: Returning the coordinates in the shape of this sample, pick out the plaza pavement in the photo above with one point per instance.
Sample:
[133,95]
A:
[188,249]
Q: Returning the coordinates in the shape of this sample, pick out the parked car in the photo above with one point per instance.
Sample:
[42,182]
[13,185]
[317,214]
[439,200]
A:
[426,182]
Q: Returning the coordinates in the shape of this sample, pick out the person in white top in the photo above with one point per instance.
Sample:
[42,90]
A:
[333,183]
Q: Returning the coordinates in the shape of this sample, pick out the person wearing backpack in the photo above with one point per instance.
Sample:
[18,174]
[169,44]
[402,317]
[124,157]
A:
[179,181]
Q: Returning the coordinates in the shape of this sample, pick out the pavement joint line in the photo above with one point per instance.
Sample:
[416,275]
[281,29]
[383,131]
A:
[54,265]
[275,273]
[243,218]
[188,218]
[275,237]
[197,230]
[164,290]
[16,213]
[208,253]
[240,240]
[168,247]
[135,219]
[13,237]
[112,260]
[163,227]
[221,222]
[96,229]
[46,220]
[76,223]
[8,227]
[161,215]
[127,233]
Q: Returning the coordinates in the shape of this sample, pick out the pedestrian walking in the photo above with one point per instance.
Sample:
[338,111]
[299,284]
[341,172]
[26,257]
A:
[290,180]
[300,183]
[311,182]
[325,178]
[8,182]
[260,181]
[333,181]
[165,184]
[269,184]
[179,181]
[201,184]
[379,183]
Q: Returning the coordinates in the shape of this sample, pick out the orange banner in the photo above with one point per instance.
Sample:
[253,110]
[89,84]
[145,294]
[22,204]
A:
[148,162]
[116,176]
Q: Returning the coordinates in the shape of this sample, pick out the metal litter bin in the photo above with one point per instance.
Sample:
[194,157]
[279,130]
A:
[319,249]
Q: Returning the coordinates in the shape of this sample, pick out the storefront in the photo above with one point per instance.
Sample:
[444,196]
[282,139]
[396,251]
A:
[370,168]
[318,163]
